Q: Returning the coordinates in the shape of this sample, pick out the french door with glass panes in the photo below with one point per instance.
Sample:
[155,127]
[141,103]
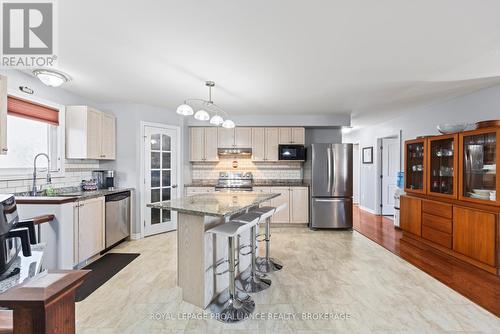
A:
[160,176]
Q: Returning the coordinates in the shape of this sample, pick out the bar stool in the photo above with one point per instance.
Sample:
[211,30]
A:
[232,305]
[250,280]
[268,264]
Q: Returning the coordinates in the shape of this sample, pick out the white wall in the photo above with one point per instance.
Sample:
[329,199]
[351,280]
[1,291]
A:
[481,105]
[322,135]
[129,144]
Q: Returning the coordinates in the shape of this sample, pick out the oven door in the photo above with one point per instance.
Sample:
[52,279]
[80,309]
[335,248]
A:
[291,152]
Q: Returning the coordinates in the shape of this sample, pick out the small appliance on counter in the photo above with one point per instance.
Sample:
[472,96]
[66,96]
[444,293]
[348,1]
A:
[14,234]
[105,178]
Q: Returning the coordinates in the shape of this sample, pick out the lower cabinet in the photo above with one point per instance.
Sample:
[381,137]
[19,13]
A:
[283,216]
[411,215]
[199,190]
[89,227]
[297,200]
[474,234]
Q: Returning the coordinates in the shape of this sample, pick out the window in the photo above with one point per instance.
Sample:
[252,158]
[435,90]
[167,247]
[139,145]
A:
[30,130]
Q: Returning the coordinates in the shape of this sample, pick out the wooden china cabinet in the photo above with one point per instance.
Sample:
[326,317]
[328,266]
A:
[451,204]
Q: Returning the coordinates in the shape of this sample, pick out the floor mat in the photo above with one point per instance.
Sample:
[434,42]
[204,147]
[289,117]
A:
[102,270]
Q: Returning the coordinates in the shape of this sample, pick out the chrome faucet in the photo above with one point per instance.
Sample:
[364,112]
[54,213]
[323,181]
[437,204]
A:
[48,178]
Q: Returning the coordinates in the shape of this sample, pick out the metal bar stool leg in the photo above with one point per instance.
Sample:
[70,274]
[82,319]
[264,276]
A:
[250,280]
[232,305]
[268,264]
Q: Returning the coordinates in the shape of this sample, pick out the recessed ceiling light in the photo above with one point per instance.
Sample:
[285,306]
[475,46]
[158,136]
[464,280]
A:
[51,78]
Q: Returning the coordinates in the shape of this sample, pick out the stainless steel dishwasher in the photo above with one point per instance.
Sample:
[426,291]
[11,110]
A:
[117,217]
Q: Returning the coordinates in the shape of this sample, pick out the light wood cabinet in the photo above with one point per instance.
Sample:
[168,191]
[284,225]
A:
[299,205]
[474,234]
[211,144]
[3,114]
[199,190]
[272,142]
[294,136]
[89,220]
[411,215]
[90,134]
[284,215]
[258,144]
[197,144]
[226,138]
[243,137]
[203,144]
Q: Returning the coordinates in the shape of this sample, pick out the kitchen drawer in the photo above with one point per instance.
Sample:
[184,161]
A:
[438,209]
[438,237]
[437,223]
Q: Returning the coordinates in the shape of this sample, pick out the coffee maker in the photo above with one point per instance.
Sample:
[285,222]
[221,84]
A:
[105,178]
[14,234]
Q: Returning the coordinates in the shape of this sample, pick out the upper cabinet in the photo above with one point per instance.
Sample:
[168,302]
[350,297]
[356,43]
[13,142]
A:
[203,144]
[415,166]
[90,134]
[294,136]
[443,166]
[235,138]
[265,144]
[479,154]
[3,114]
[272,141]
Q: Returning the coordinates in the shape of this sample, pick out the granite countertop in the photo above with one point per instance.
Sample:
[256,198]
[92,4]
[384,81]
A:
[256,183]
[72,195]
[215,204]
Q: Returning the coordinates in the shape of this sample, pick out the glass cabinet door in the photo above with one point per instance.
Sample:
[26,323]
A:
[415,166]
[479,166]
[442,166]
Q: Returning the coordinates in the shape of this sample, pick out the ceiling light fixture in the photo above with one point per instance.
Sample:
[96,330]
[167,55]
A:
[206,110]
[51,78]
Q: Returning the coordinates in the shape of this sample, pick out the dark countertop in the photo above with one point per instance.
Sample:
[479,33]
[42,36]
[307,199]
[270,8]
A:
[67,197]
[256,183]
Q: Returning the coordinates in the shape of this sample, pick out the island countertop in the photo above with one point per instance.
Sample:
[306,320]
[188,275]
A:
[219,204]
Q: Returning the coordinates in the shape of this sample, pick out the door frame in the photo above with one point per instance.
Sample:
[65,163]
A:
[142,175]
[379,168]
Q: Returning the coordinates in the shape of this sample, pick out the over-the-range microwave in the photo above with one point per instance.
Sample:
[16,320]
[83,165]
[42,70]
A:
[292,152]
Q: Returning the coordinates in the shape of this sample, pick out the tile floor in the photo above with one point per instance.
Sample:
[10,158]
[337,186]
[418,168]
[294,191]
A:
[326,273]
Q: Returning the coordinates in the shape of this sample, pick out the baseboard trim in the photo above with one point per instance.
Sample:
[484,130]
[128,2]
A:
[367,210]
[135,236]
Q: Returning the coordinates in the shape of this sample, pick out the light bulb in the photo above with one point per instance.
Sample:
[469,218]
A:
[202,115]
[216,120]
[185,110]
[228,124]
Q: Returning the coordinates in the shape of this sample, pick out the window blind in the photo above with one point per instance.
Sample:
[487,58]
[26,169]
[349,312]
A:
[27,109]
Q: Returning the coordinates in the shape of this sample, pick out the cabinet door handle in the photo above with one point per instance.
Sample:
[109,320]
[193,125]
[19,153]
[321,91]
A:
[5,149]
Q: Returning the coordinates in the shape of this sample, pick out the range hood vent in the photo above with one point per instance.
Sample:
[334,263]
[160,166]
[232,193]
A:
[235,152]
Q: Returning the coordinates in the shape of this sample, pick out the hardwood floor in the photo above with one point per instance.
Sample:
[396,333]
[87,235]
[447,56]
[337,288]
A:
[477,285]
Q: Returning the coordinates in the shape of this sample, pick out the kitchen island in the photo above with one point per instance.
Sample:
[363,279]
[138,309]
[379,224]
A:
[199,252]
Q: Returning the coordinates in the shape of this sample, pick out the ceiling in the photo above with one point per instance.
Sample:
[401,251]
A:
[367,58]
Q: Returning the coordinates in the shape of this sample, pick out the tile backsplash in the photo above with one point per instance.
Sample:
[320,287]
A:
[261,171]
[75,172]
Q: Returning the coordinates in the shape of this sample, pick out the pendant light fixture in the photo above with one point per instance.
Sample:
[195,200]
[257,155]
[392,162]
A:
[206,110]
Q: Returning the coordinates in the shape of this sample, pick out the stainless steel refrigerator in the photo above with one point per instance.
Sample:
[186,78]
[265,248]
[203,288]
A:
[328,170]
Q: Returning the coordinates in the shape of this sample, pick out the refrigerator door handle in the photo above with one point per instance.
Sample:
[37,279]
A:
[329,200]
[329,168]
[333,172]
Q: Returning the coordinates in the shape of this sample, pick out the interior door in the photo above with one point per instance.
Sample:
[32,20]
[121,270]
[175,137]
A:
[390,168]
[160,177]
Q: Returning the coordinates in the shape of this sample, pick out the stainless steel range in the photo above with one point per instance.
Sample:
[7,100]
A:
[234,181]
